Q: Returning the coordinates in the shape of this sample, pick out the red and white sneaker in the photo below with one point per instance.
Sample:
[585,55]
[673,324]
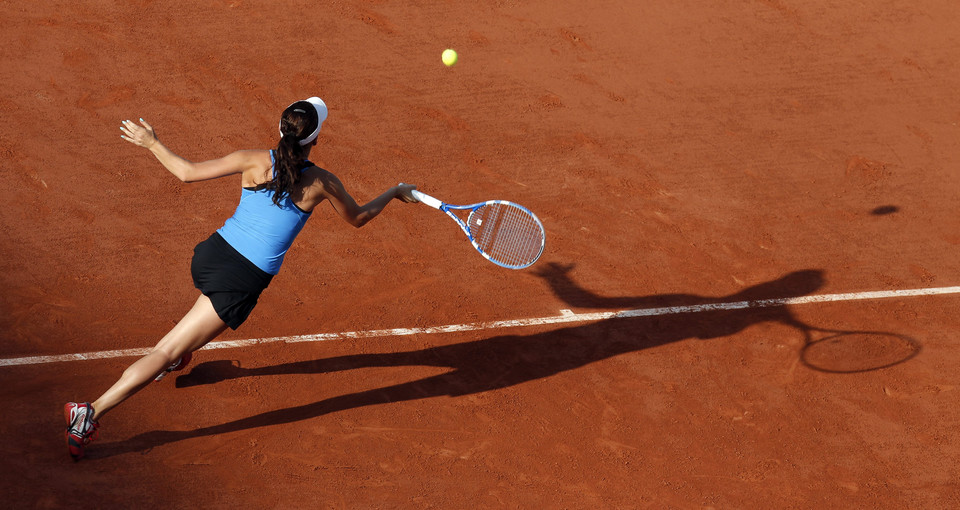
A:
[81,429]
[180,364]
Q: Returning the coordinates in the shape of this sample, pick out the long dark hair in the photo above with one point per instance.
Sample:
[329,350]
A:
[298,121]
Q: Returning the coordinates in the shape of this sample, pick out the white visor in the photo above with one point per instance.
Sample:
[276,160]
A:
[321,108]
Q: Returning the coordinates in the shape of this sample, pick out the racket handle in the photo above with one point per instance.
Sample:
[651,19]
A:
[426,199]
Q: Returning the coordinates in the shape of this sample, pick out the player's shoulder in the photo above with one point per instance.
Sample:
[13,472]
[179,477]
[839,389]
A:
[254,164]
[319,184]
[252,153]
[247,158]
[318,175]
[314,172]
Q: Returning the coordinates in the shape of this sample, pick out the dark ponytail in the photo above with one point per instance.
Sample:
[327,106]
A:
[299,120]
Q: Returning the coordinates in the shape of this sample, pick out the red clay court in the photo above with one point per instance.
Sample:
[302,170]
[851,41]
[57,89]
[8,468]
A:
[742,178]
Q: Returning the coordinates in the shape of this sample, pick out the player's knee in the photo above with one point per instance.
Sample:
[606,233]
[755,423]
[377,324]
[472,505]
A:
[166,356]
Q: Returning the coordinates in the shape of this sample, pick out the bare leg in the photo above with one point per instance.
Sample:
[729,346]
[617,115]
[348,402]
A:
[200,325]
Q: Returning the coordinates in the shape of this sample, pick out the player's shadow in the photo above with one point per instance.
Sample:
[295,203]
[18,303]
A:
[504,360]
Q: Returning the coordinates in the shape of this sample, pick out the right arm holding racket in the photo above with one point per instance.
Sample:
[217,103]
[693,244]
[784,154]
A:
[344,204]
[505,233]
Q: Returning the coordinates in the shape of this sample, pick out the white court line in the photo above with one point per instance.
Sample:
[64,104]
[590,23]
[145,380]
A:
[565,317]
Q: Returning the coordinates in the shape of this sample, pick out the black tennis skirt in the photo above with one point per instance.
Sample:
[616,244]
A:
[232,282]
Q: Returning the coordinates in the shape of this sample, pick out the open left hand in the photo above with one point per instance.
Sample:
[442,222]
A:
[141,135]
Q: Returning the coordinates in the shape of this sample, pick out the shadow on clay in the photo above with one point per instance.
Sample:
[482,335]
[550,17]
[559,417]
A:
[507,360]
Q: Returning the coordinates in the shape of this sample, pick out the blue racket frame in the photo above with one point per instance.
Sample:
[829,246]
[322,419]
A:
[473,208]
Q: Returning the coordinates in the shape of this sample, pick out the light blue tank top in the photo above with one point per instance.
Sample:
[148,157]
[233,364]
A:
[260,230]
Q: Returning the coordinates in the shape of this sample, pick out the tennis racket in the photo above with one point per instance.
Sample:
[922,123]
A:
[507,234]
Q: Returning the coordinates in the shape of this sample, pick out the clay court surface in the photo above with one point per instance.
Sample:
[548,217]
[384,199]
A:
[685,154]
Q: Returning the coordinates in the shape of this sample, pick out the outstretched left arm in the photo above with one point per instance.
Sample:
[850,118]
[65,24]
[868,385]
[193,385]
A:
[185,170]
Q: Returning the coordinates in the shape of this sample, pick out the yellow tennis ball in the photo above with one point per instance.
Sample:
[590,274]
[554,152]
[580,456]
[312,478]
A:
[449,57]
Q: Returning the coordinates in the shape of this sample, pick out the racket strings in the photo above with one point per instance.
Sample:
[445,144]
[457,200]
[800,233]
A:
[507,233]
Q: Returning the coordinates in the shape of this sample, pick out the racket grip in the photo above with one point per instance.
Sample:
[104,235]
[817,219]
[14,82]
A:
[426,199]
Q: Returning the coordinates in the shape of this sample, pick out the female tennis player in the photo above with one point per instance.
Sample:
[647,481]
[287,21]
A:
[235,264]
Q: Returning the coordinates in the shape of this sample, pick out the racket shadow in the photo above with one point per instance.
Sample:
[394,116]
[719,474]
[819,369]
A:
[504,360]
